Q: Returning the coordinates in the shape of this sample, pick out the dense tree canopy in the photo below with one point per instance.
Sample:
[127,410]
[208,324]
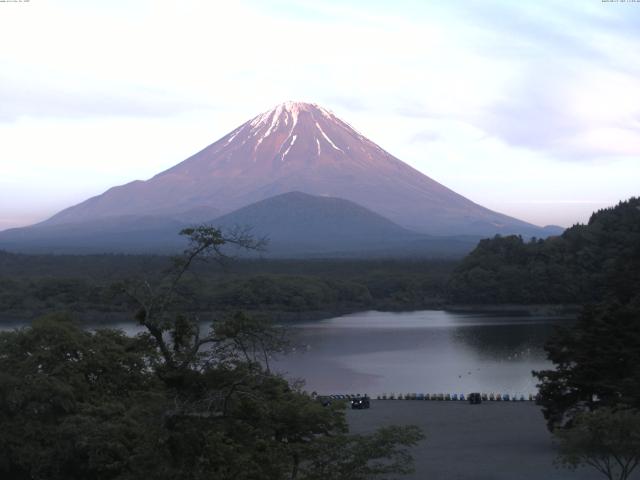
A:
[587,263]
[591,399]
[88,286]
[597,363]
[174,402]
[76,404]
[607,440]
[597,360]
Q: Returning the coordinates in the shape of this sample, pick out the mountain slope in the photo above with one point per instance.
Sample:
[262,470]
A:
[298,147]
[296,224]
[127,233]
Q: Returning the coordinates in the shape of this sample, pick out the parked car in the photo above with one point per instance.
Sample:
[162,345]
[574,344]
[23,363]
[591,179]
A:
[360,403]
[475,398]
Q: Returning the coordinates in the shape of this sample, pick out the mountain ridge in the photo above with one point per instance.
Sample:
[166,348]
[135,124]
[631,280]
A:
[298,225]
[298,147]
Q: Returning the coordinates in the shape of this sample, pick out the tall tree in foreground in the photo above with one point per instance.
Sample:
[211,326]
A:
[597,364]
[173,403]
[76,404]
[591,400]
[607,440]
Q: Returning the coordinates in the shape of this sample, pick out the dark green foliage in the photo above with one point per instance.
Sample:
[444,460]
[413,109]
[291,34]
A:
[587,263]
[510,270]
[359,457]
[607,440]
[289,293]
[597,363]
[591,400]
[91,286]
[173,403]
[76,404]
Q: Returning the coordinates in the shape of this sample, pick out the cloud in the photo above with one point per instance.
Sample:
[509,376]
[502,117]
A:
[413,109]
[43,93]
[474,93]
[561,79]
[425,136]
[573,29]
[353,104]
[577,112]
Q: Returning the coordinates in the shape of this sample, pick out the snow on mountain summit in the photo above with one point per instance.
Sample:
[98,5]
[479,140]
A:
[282,121]
[297,146]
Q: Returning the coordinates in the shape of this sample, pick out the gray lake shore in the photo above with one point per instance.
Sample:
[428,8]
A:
[491,441]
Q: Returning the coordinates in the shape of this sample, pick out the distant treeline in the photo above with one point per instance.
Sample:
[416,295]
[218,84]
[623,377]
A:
[586,264]
[94,285]
[583,265]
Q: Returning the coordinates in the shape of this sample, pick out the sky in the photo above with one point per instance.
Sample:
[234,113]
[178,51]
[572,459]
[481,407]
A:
[530,108]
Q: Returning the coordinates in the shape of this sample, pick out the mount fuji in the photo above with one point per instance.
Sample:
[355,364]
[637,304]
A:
[294,147]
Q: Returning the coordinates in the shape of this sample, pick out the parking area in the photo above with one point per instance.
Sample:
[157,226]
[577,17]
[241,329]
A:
[490,441]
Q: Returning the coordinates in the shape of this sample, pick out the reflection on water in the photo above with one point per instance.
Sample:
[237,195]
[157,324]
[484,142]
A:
[427,351]
[129,328]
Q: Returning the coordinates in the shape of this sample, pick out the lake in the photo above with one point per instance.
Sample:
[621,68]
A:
[429,351]
[425,351]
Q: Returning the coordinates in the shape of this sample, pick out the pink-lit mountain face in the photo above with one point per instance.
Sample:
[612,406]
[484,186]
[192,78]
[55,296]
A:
[296,147]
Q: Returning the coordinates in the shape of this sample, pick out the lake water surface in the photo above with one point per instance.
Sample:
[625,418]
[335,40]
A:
[426,351]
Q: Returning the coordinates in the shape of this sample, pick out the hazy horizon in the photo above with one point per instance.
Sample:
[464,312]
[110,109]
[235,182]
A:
[532,110]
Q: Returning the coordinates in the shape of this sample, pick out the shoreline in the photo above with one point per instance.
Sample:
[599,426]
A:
[288,317]
[516,308]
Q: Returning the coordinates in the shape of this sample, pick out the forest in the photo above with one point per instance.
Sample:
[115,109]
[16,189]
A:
[177,403]
[584,264]
[579,266]
[92,286]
